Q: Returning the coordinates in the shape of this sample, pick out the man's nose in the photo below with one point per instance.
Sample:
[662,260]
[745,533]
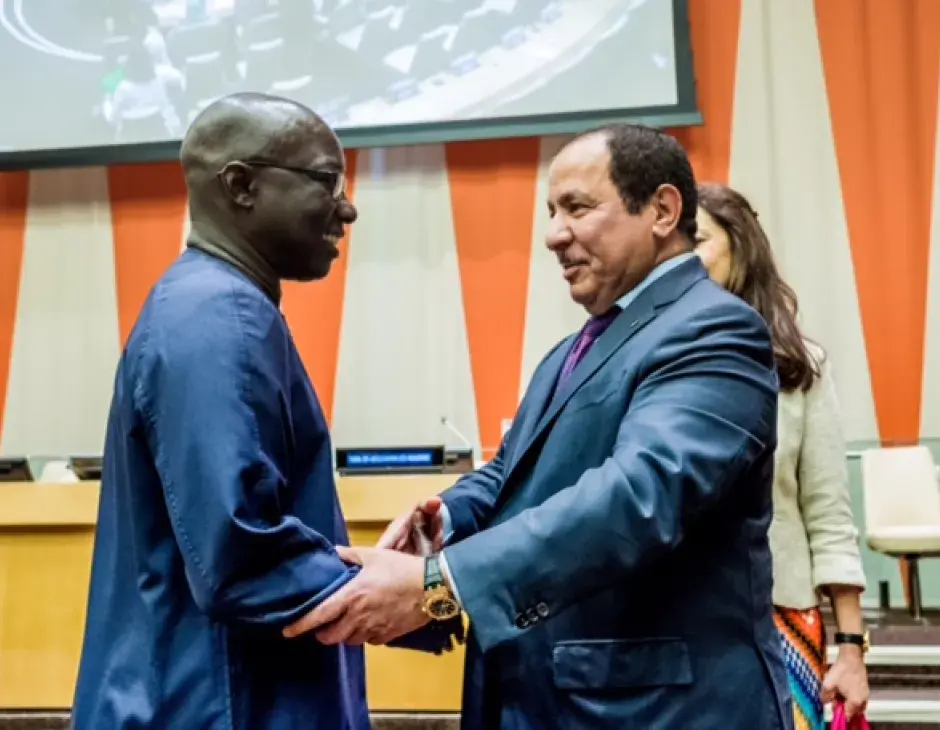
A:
[346,211]
[558,235]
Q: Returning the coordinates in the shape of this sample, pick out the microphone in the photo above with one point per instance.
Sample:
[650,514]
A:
[453,429]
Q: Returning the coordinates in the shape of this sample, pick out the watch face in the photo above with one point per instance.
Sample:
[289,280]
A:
[442,608]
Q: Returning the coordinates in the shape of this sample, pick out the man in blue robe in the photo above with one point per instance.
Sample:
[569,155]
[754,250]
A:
[219,516]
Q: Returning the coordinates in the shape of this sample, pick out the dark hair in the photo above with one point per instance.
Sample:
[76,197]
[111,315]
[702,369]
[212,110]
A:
[755,278]
[641,160]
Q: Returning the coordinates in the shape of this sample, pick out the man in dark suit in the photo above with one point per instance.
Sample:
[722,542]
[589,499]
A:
[613,557]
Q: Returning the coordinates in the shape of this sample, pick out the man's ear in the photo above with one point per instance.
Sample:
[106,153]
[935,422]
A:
[239,183]
[667,204]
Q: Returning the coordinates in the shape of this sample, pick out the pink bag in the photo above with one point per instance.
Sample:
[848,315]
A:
[839,722]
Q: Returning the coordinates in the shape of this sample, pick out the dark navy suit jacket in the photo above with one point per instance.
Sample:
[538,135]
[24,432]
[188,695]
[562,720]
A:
[216,527]
[613,557]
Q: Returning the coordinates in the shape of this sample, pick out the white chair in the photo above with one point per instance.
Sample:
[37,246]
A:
[902,509]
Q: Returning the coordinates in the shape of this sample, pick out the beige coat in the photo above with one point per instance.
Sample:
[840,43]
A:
[813,538]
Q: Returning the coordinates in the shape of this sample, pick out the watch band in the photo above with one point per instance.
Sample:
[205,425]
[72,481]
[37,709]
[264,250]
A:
[433,575]
[858,640]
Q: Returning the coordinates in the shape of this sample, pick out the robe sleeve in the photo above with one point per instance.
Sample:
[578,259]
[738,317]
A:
[434,638]
[213,393]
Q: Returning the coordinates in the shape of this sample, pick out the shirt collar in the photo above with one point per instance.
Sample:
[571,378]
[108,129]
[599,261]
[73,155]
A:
[664,268]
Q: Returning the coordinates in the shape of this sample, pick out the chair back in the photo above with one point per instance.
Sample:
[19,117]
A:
[901,488]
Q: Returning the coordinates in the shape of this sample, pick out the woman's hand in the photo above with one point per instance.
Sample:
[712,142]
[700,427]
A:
[847,679]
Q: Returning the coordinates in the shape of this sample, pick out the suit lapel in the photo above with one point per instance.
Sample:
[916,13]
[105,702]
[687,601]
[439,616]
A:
[630,321]
[640,312]
[538,397]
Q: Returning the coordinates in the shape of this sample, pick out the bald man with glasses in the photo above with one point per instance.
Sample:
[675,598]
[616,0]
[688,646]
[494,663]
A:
[219,517]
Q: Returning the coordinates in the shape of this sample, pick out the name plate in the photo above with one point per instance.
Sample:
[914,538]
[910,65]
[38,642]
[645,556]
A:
[390,460]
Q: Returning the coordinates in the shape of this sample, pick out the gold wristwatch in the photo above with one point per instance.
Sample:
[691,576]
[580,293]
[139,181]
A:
[439,601]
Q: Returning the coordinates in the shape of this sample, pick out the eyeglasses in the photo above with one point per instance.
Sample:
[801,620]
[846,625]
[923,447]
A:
[334,181]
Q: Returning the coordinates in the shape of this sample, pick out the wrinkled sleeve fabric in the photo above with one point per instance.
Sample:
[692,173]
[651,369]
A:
[824,489]
[469,503]
[213,394]
[703,413]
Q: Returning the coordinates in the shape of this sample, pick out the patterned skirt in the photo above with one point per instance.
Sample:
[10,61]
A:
[804,645]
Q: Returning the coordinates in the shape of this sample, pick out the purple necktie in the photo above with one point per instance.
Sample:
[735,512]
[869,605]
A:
[592,330]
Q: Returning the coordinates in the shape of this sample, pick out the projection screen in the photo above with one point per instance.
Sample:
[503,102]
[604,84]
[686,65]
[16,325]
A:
[97,81]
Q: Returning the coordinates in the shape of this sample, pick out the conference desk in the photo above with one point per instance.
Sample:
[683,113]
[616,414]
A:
[46,537]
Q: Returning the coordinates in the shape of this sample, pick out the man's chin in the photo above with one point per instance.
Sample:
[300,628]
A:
[581,294]
[321,272]
[315,272]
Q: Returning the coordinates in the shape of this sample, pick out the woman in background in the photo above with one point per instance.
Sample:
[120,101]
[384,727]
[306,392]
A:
[813,539]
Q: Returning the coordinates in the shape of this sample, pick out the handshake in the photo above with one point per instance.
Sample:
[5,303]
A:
[386,599]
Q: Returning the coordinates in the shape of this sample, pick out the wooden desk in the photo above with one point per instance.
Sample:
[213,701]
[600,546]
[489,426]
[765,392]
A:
[46,539]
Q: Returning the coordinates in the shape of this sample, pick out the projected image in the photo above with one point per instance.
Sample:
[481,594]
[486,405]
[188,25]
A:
[104,72]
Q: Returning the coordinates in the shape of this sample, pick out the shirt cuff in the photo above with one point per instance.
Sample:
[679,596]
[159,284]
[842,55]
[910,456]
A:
[447,524]
[448,576]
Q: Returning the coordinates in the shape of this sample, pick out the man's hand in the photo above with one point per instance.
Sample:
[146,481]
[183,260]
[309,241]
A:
[848,680]
[420,531]
[380,604]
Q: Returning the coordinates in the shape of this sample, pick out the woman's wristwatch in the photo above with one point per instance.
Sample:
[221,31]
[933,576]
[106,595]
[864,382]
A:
[859,640]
